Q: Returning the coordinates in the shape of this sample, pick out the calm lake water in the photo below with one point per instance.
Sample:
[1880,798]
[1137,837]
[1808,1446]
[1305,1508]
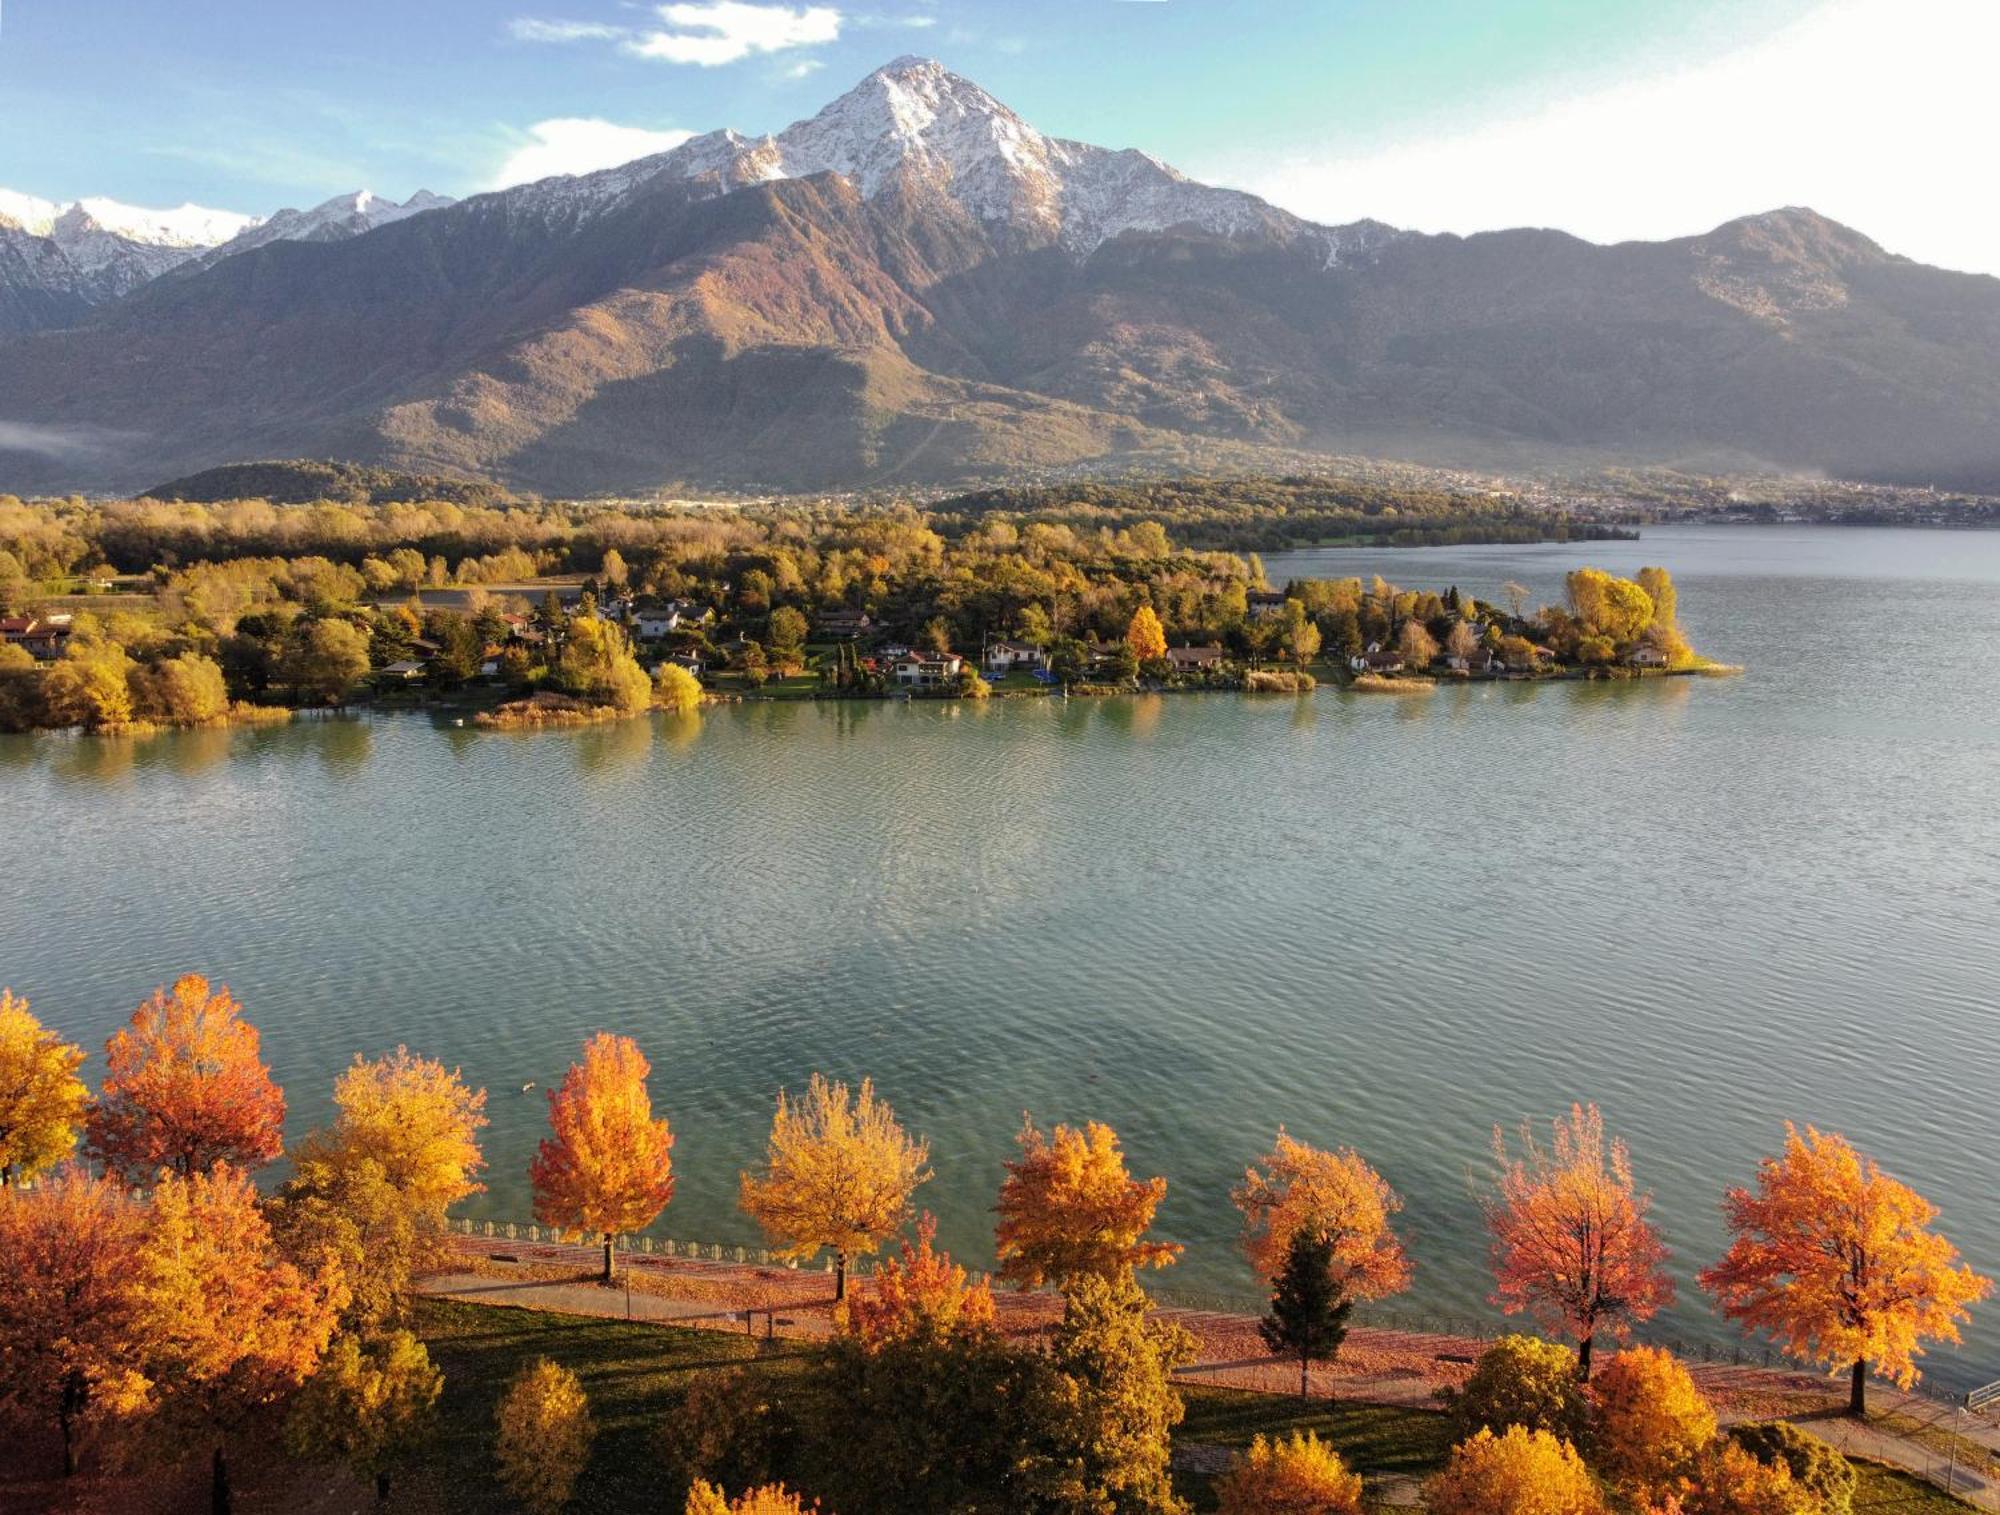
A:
[1710,905]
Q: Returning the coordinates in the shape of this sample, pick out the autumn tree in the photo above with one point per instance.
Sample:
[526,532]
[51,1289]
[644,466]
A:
[185,1088]
[1145,635]
[923,1294]
[1521,1381]
[768,1499]
[1417,647]
[676,690]
[1069,1209]
[1308,1315]
[68,1343]
[1815,1466]
[608,1167]
[1109,1412]
[1837,1261]
[324,659]
[1519,1473]
[544,1436]
[42,1101]
[596,665]
[1650,1422]
[1336,1194]
[228,1327]
[419,1120]
[371,1404]
[1571,1242]
[1300,1475]
[1730,1481]
[1659,587]
[838,1175]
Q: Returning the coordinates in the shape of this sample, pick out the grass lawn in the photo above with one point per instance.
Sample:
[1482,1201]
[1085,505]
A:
[633,1374]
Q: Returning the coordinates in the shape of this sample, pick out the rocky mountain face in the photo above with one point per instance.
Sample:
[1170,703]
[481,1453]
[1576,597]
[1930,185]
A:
[58,262]
[917,286]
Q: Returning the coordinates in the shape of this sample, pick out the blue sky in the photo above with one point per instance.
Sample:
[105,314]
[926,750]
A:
[1612,118]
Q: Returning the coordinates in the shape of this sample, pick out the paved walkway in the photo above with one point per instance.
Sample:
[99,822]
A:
[1377,1366]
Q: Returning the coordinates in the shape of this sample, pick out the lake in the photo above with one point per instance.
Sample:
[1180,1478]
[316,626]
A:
[1390,922]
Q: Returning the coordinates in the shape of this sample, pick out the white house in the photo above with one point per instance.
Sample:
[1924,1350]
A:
[928,670]
[1646,655]
[1003,657]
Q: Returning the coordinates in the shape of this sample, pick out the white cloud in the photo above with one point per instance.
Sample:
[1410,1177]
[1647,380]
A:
[1874,112]
[716,32]
[580,145]
[804,68]
[527,29]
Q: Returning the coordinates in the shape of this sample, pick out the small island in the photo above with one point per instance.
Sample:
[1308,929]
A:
[128,615]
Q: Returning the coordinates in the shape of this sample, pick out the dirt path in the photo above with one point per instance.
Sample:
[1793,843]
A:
[1376,1365]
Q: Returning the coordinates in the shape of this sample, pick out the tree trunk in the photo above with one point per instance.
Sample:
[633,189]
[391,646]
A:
[839,1277]
[381,1488]
[1857,1398]
[1583,1359]
[607,1257]
[1305,1379]
[218,1485]
[69,1443]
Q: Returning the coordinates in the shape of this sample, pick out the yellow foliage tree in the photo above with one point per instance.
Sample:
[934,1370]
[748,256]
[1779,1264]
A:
[418,1120]
[545,1432]
[838,1175]
[1521,1473]
[676,690]
[369,1405]
[1730,1481]
[608,1167]
[1070,1209]
[1145,635]
[1838,1262]
[227,1326]
[1300,1475]
[1652,1422]
[772,1499]
[42,1101]
[1335,1194]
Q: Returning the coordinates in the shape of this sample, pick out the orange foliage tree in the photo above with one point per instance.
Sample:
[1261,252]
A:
[1069,1209]
[185,1088]
[42,1101]
[1571,1242]
[68,1349]
[608,1167]
[1652,1423]
[922,1297]
[1838,1262]
[1521,1473]
[227,1327]
[771,1499]
[1730,1481]
[1334,1194]
[838,1174]
[1301,1475]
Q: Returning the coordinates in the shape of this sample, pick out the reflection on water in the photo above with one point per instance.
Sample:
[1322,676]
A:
[1711,905]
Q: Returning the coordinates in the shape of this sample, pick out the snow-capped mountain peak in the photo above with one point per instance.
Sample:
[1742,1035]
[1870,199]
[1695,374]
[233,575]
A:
[347,215]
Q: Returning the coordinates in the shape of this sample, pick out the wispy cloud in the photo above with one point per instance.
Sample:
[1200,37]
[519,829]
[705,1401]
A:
[530,29]
[706,33]
[716,32]
[804,68]
[580,145]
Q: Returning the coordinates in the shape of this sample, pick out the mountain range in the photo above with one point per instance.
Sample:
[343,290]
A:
[916,286]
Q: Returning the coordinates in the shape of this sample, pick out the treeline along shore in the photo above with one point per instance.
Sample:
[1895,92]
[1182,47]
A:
[123,615]
[163,1307]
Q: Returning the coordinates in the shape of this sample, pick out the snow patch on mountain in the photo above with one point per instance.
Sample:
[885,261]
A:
[916,128]
[343,216]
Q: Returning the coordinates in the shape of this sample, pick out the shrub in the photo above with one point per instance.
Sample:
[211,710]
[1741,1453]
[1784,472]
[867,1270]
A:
[727,1428]
[771,1499]
[1298,1476]
[1732,1482]
[1521,1473]
[544,1436]
[1651,1422]
[1827,1475]
[676,689]
[1522,1381]
[1278,681]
